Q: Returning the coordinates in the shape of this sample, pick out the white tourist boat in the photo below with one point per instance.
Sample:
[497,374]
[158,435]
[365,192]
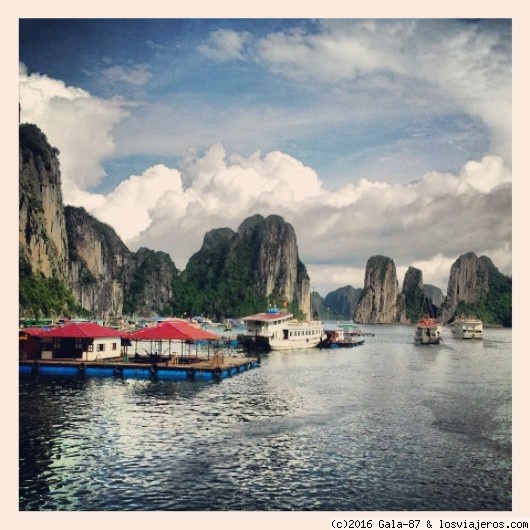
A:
[428,331]
[279,330]
[467,328]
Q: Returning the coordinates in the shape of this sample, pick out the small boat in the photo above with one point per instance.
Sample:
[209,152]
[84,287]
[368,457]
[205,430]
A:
[428,331]
[467,328]
[277,329]
[339,338]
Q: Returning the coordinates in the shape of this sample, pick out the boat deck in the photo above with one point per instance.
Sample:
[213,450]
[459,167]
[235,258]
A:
[193,369]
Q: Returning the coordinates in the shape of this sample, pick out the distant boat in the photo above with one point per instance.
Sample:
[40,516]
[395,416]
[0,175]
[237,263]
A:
[467,328]
[337,337]
[428,331]
[277,329]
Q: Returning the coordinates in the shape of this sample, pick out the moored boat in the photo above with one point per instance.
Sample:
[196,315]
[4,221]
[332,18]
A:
[428,331]
[467,328]
[277,329]
[336,337]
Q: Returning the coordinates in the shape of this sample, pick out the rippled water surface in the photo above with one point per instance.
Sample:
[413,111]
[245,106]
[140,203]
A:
[384,426]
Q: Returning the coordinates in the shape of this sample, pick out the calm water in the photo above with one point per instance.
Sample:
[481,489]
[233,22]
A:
[384,426]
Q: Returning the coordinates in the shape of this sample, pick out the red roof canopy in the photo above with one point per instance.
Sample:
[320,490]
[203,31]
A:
[173,330]
[35,332]
[79,330]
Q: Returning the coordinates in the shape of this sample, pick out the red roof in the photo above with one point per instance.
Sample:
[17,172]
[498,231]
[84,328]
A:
[34,332]
[427,322]
[172,330]
[79,330]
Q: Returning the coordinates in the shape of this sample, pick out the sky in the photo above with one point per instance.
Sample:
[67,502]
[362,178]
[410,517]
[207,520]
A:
[369,136]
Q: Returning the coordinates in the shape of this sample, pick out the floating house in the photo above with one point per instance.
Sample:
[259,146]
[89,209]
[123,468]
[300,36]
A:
[82,341]
[67,349]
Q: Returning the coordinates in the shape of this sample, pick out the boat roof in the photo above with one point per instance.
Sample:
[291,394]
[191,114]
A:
[427,323]
[269,316]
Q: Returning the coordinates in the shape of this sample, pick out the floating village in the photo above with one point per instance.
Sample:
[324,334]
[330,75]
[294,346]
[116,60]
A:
[192,349]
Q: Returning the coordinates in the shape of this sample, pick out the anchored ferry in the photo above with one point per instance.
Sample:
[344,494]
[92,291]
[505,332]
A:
[467,328]
[276,329]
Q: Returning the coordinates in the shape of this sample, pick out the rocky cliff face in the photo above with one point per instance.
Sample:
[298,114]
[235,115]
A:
[434,294]
[240,272]
[70,245]
[475,285]
[43,241]
[149,283]
[279,272]
[415,303]
[467,283]
[380,301]
[107,278]
[97,263]
[342,302]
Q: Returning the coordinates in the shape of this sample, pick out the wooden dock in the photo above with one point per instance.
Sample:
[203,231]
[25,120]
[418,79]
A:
[189,369]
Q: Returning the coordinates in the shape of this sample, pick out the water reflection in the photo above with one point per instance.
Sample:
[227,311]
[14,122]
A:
[386,426]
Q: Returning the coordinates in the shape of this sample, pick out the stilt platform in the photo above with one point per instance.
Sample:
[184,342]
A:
[194,369]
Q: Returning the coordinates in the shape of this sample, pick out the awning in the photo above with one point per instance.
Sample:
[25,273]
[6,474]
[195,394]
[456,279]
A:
[173,331]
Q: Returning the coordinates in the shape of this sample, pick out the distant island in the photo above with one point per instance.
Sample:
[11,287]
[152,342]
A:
[70,263]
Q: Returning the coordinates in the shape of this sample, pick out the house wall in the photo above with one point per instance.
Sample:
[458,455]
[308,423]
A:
[82,349]
[106,348]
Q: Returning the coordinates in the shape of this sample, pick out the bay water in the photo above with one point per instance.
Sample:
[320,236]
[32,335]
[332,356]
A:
[385,426]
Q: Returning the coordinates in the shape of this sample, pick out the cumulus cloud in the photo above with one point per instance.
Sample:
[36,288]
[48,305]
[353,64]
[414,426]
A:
[415,69]
[77,123]
[426,224]
[131,207]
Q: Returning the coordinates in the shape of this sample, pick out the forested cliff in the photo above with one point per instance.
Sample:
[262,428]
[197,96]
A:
[71,263]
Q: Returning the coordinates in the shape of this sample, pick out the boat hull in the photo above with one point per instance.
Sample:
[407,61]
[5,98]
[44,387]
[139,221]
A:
[338,345]
[294,344]
[259,343]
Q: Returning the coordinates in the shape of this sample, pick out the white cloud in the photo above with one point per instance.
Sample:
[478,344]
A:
[131,207]
[224,45]
[453,64]
[326,278]
[486,175]
[426,224]
[137,75]
[78,124]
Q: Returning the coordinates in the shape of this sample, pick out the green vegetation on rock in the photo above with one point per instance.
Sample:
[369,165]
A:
[44,297]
